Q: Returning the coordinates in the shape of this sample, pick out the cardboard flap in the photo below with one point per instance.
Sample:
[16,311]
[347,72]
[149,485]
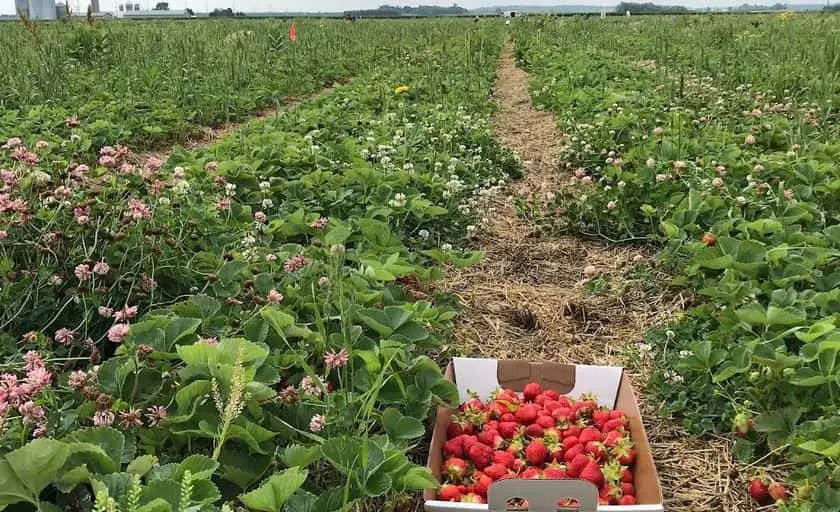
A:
[543,495]
[483,376]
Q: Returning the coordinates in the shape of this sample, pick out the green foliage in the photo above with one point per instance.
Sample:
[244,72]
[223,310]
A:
[721,147]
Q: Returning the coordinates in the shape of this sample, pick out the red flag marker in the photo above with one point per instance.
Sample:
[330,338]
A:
[292,33]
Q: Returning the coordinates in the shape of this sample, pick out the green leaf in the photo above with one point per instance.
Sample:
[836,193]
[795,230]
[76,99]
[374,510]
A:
[808,377]
[156,505]
[299,455]
[200,467]
[277,318]
[401,427]
[752,314]
[822,447]
[337,235]
[12,489]
[109,439]
[341,452]
[167,490]
[785,316]
[417,478]
[141,465]
[273,493]
[37,463]
[230,269]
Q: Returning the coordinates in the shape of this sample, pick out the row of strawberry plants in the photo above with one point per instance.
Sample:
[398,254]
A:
[145,83]
[736,183]
[255,317]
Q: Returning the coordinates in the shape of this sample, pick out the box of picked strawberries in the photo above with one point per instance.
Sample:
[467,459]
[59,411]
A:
[571,427]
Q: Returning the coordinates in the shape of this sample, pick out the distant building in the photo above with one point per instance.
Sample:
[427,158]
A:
[22,6]
[509,14]
[37,9]
[60,10]
[138,14]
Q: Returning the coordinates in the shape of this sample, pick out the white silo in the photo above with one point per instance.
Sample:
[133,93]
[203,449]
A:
[42,9]
[22,6]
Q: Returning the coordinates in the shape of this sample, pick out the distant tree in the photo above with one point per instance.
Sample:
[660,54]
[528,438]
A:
[189,11]
[222,13]
[161,6]
[648,8]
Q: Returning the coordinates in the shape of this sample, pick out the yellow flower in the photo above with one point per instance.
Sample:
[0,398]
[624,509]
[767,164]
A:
[787,15]
[401,89]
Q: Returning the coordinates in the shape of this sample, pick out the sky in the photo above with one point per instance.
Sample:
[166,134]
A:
[7,6]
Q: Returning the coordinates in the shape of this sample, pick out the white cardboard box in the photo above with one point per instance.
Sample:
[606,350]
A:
[613,389]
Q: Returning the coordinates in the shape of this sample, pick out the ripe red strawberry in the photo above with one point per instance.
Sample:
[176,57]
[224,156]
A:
[536,452]
[758,490]
[552,394]
[531,473]
[599,417]
[554,473]
[615,413]
[573,452]
[480,455]
[627,489]
[454,469]
[592,473]
[473,498]
[612,437]
[497,409]
[454,447]
[584,408]
[541,399]
[531,390]
[603,501]
[472,405]
[496,470]
[508,429]
[573,430]
[551,405]
[507,397]
[626,475]
[590,434]
[492,425]
[509,475]
[454,429]
[468,440]
[481,482]
[709,239]
[624,452]
[627,499]
[545,421]
[449,492]
[504,458]
[614,424]
[570,441]
[564,401]
[596,449]
[518,465]
[563,414]
[777,491]
[491,438]
[527,414]
[507,417]
[534,430]
[577,464]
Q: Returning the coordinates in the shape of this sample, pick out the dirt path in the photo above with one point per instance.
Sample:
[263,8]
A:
[530,300]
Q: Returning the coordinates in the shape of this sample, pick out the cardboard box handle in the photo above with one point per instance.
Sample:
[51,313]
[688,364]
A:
[515,374]
[542,495]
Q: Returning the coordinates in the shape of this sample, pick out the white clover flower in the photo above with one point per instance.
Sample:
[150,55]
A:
[424,234]
[446,247]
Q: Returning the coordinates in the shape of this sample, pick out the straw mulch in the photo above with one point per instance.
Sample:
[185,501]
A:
[529,300]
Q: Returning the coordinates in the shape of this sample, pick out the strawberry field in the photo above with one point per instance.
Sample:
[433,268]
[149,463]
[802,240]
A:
[261,321]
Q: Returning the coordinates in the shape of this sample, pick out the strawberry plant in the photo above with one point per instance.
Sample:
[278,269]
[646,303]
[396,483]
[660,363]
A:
[706,148]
